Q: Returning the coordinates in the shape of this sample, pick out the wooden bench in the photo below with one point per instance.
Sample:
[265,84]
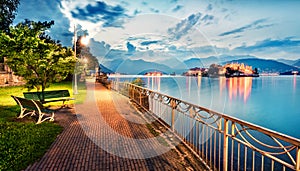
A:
[49,96]
[34,108]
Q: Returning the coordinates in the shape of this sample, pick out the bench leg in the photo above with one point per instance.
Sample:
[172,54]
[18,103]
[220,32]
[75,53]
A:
[41,115]
[65,105]
[23,110]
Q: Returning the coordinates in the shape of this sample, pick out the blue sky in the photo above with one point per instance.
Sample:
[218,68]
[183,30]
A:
[158,30]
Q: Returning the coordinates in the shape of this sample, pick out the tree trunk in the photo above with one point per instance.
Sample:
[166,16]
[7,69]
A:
[43,94]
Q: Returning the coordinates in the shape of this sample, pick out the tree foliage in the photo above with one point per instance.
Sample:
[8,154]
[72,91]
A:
[83,52]
[138,82]
[8,10]
[86,60]
[34,56]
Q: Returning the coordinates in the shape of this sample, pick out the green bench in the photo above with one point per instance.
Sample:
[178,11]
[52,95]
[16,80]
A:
[49,96]
[35,109]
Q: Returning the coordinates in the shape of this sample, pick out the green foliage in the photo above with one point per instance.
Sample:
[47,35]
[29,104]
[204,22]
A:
[23,143]
[138,82]
[34,56]
[8,10]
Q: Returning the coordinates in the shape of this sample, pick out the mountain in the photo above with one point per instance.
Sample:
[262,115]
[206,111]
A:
[286,61]
[200,62]
[105,69]
[264,65]
[113,65]
[224,58]
[193,62]
[297,64]
[206,62]
[137,67]
[171,62]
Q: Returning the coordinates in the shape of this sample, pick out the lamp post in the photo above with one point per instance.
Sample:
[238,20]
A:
[75,74]
[84,41]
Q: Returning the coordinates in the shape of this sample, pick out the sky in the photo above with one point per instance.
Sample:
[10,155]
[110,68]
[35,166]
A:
[159,30]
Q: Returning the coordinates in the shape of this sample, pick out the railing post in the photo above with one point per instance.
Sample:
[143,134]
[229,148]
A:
[225,146]
[173,105]
[140,98]
[298,159]
[132,92]
[151,102]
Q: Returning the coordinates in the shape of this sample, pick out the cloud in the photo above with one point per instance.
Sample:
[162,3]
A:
[41,10]
[134,38]
[184,26]
[154,10]
[130,47]
[67,34]
[172,47]
[136,12]
[177,8]
[209,7]
[98,49]
[145,43]
[209,49]
[207,19]
[286,44]
[110,15]
[253,25]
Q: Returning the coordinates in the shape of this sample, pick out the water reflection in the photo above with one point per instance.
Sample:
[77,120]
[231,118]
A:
[154,81]
[222,85]
[245,98]
[188,85]
[238,87]
[295,82]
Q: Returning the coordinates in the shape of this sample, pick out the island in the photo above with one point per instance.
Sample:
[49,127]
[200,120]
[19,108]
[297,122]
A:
[240,70]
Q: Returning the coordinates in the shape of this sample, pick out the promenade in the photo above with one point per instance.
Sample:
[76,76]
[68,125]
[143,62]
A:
[107,133]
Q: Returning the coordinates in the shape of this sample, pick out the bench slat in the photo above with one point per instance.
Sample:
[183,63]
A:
[34,108]
[49,96]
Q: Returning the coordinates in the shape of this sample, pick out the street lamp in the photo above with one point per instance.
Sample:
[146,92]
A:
[75,74]
[84,41]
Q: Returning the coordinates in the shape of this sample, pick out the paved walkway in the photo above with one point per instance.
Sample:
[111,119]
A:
[106,133]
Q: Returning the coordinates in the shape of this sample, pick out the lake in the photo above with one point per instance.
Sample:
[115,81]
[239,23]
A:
[269,101]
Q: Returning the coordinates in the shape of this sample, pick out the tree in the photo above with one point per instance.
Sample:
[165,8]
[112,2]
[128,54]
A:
[8,10]
[34,56]
[138,82]
[213,70]
[83,52]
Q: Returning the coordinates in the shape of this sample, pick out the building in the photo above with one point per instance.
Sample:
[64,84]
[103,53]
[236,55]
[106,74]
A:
[7,77]
[196,72]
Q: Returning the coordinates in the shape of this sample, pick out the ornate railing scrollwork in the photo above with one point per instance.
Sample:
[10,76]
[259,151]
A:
[224,142]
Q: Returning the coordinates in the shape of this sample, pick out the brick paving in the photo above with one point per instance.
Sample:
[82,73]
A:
[100,136]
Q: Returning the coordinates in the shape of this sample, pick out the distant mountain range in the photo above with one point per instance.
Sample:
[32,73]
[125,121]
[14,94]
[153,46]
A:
[206,62]
[297,64]
[137,66]
[269,66]
[105,70]
[175,66]
[290,62]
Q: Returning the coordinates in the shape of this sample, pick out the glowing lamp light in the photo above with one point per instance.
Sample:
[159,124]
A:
[84,40]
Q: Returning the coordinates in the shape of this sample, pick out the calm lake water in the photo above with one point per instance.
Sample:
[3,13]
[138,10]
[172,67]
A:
[271,102]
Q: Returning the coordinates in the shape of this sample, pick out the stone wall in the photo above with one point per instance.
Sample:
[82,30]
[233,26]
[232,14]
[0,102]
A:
[7,78]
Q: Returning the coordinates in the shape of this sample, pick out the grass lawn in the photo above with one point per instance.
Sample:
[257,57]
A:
[22,142]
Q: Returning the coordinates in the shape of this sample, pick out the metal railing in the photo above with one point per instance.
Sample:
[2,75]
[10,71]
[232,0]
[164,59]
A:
[222,141]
